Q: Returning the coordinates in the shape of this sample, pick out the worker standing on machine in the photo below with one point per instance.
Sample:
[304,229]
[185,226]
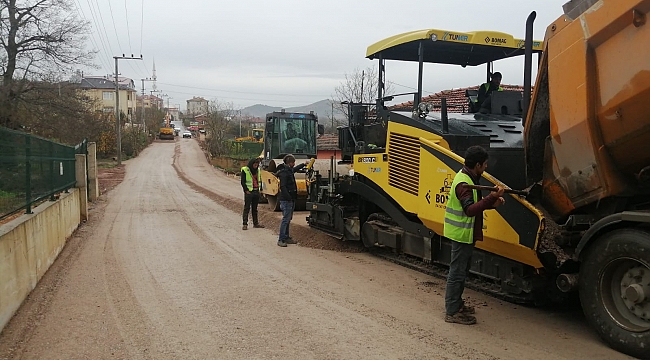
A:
[484,98]
[464,226]
[251,180]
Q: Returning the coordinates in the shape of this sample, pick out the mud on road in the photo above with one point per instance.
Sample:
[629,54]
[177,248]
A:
[164,271]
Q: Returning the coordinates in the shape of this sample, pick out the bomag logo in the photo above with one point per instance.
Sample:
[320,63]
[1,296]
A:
[500,41]
[455,37]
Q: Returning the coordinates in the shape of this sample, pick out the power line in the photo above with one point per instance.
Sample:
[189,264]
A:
[92,36]
[411,88]
[128,31]
[101,39]
[99,12]
[239,92]
[141,24]
[114,27]
[141,38]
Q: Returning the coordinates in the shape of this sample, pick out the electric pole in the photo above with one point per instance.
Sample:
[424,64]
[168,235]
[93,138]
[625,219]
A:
[118,122]
[332,102]
[144,125]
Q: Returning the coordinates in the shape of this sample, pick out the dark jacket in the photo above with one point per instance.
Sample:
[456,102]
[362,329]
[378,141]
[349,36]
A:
[288,188]
[484,91]
[475,209]
[253,172]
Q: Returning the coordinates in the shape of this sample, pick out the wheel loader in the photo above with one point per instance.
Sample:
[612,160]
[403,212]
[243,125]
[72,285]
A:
[287,133]
[255,135]
[166,131]
[577,142]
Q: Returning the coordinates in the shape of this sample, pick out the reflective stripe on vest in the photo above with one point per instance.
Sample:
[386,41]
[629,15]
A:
[458,226]
[487,87]
[249,178]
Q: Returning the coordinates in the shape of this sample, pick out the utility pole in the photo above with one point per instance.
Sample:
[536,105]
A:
[144,124]
[332,116]
[118,122]
[239,112]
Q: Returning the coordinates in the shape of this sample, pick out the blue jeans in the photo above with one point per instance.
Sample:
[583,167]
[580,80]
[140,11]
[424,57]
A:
[287,214]
[461,261]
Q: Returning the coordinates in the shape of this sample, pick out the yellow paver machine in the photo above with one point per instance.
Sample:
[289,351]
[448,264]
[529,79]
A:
[578,146]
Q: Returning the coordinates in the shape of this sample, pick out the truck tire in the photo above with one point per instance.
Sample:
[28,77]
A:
[615,290]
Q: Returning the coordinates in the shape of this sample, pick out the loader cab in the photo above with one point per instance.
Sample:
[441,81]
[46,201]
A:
[290,133]
[456,119]
[258,134]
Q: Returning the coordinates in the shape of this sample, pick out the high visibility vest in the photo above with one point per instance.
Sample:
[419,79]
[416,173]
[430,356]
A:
[458,226]
[249,178]
[487,88]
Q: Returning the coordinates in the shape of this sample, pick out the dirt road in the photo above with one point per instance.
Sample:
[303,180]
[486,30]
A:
[163,271]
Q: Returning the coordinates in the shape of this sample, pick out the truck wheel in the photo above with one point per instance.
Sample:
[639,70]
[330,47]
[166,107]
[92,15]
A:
[615,290]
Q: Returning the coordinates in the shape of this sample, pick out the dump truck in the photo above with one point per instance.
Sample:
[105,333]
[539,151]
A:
[578,145]
[287,133]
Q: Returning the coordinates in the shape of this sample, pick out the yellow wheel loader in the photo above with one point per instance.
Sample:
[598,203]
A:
[287,133]
[579,145]
[166,130]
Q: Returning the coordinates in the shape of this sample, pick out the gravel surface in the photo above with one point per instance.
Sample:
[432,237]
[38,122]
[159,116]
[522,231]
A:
[162,271]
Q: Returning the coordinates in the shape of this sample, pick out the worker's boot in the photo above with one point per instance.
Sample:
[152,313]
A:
[259,226]
[245,227]
[290,241]
[282,243]
[460,318]
[467,309]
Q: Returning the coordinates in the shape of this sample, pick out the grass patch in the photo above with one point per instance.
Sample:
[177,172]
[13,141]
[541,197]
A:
[106,163]
[228,170]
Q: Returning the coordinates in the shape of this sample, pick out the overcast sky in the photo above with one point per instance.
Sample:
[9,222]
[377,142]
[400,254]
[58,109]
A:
[289,52]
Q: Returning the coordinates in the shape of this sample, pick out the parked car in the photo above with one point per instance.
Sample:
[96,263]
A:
[187,134]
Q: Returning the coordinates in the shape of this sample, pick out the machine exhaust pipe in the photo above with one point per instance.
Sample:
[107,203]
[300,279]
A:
[528,63]
[444,117]
[330,177]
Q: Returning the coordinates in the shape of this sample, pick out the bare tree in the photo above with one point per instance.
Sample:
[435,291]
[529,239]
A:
[219,119]
[358,86]
[40,39]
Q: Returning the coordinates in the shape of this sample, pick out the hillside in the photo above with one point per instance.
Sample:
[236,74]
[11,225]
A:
[321,108]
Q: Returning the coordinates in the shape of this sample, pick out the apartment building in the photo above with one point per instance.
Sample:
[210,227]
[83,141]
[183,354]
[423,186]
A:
[102,90]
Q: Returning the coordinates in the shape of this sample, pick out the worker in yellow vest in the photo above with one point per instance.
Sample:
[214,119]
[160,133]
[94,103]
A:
[484,99]
[464,227]
[251,181]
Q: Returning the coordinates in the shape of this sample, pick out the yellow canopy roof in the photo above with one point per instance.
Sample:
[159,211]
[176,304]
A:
[447,47]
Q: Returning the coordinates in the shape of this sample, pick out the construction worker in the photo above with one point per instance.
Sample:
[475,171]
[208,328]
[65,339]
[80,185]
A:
[484,99]
[251,180]
[464,227]
[290,133]
[288,195]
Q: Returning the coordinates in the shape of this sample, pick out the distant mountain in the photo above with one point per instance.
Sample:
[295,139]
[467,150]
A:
[321,108]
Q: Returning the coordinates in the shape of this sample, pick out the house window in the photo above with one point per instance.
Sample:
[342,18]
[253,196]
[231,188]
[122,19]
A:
[108,95]
[128,96]
[108,109]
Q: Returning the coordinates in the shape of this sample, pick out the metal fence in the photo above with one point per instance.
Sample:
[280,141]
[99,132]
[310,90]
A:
[33,169]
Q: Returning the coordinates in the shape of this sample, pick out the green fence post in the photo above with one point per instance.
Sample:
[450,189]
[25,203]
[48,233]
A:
[28,174]
[52,161]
